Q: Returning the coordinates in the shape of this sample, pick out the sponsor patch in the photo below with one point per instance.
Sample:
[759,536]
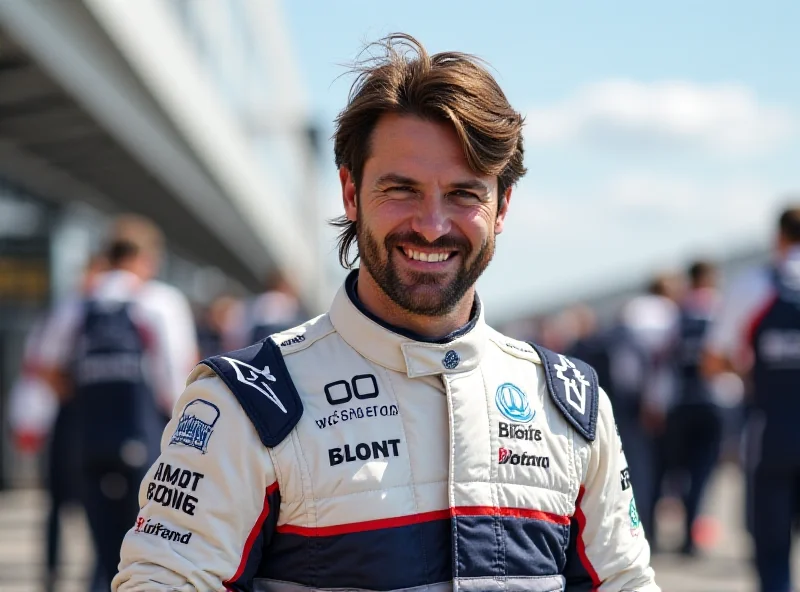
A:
[513,403]
[363,387]
[363,451]
[634,516]
[293,340]
[625,479]
[451,360]
[196,425]
[575,386]
[506,456]
[514,431]
[353,413]
[252,376]
[158,529]
[519,347]
[170,488]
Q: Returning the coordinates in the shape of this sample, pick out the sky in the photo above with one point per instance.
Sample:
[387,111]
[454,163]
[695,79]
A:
[655,132]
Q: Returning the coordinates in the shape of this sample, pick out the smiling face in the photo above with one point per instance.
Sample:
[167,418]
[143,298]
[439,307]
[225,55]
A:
[426,221]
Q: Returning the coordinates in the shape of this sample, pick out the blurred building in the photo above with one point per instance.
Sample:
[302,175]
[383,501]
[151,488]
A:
[189,112]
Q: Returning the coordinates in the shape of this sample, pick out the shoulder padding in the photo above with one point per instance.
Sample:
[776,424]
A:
[573,386]
[260,381]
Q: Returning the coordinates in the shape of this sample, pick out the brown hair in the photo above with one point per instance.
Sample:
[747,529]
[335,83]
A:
[455,87]
[789,224]
[131,235]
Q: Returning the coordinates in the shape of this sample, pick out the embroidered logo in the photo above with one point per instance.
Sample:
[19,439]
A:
[251,376]
[575,385]
[451,359]
[633,513]
[513,403]
[196,425]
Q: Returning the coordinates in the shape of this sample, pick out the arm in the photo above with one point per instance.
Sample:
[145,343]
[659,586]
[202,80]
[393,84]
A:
[56,345]
[726,346]
[205,517]
[176,351]
[608,550]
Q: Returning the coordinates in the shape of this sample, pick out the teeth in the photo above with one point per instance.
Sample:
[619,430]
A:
[429,257]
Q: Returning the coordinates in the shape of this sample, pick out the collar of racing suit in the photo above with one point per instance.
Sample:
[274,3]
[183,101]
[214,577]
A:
[402,351]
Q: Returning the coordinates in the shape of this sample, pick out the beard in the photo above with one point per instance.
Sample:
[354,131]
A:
[421,293]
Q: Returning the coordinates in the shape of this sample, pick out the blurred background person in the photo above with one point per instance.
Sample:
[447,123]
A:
[694,419]
[276,309]
[591,343]
[641,383]
[121,354]
[644,166]
[40,416]
[757,333]
[213,324]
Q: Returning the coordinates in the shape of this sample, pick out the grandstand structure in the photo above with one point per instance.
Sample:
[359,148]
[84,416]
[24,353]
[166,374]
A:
[190,113]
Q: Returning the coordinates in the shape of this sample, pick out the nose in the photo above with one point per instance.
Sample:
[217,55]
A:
[431,219]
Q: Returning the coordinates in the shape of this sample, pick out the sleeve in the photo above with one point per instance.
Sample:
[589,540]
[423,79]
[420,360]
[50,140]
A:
[58,336]
[740,306]
[209,504]
[176,340]
[607,551]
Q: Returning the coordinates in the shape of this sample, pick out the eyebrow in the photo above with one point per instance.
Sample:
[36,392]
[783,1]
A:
[397,179]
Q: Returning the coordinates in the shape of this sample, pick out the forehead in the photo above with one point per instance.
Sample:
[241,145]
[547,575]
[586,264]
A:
[416,147]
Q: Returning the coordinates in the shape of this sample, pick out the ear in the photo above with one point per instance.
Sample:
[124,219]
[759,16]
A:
[348,193]
[499,223]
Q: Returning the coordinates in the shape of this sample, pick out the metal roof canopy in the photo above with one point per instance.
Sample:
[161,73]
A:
[77,123]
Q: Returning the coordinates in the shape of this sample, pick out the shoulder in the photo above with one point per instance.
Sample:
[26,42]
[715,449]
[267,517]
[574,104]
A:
[571,383]
[303,337]
[259,380]
[750,288]
[161,297]
[514,347]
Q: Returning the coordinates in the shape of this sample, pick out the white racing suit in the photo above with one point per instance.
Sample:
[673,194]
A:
[344,455]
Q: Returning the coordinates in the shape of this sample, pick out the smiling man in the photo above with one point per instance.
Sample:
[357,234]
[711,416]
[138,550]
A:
[397,442]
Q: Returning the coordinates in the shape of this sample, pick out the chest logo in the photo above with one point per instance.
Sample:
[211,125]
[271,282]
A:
[513,403]
[251,376]
[575,385]
[451,359]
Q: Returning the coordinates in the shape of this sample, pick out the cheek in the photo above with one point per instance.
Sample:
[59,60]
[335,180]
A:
[477,225]
[389,217]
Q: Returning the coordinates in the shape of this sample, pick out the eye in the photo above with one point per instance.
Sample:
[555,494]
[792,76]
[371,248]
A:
[464,194]
[400,189]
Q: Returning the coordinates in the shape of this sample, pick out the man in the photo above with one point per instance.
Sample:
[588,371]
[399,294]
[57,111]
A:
[397,442]
[757,333]
[274,310]
[694,420]
[118,354]
[37,412]
[641,386]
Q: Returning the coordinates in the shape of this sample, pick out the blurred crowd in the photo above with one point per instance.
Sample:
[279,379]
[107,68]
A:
[699,376]
[667,357]
[125,332]
[675,425]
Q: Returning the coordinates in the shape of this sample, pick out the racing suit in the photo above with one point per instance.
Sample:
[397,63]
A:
[361,458]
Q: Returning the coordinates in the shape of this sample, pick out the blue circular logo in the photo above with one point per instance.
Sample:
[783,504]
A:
[513,403]
[451,359]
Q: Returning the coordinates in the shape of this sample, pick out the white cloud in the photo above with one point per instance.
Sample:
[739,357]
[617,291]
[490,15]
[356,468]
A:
[726,118]
[624,228]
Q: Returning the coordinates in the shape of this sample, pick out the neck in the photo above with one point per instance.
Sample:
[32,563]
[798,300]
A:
[379,304]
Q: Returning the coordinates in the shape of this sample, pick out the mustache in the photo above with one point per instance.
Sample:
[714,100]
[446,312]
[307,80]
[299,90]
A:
[447,242]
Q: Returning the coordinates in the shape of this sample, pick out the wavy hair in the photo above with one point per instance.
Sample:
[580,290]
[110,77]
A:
[399,76]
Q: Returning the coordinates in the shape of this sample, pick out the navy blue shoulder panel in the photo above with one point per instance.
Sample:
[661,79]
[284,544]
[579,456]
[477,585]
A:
[258,377]
[574,387]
